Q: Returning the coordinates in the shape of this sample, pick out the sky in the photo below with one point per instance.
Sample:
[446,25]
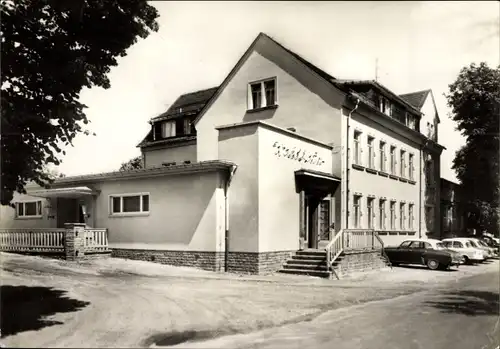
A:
[418,45]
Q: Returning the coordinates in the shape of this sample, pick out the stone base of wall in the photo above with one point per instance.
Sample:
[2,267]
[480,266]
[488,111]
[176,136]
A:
[238,262]
[212,261]
[257,263]
[360,261]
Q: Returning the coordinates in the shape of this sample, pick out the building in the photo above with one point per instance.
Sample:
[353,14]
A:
[453,217]
[280,156]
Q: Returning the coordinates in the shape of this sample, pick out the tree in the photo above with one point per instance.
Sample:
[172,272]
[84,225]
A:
[51,49]
[475,102]
[132,164]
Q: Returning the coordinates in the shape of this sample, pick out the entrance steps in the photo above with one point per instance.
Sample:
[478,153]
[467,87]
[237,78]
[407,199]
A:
[313,263]
[307,263]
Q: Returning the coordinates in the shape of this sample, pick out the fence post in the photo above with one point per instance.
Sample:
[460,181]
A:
[74,241]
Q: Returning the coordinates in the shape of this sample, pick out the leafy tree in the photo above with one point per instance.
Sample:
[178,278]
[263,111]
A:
[475,102]
[132,164]
[51,49]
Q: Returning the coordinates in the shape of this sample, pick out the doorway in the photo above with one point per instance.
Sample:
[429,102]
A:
[317,220]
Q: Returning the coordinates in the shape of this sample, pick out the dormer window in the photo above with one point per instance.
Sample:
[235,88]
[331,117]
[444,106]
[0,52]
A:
[262,94]
[168,129]
[173,128]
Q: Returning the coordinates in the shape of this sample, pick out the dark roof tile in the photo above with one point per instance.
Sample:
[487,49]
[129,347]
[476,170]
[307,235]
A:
[187,104]
[417,99]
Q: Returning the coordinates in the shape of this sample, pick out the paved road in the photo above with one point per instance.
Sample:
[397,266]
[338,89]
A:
[462,315]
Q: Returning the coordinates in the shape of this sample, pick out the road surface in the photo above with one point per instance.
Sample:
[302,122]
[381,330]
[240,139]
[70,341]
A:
[123,303]
[462,315]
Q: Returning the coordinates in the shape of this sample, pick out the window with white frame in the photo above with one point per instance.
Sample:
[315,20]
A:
[29,209]
[168,129]
[393,215]
[393,160]
[357,211]
[402,170]
[262,94]
[357,147]
[382,215]
[411,165]
[402,216]
[383,158]
[371,152]
[125,204]
[410,216]
[370,212]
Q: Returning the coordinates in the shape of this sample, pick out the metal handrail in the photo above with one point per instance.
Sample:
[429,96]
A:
[382,250]
[331,258]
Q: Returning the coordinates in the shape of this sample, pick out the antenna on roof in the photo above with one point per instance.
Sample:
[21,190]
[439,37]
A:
[376,69]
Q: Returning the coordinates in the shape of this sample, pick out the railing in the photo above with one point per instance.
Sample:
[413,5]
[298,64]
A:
[32,240]
[333,250]
[353,240]
[96,240]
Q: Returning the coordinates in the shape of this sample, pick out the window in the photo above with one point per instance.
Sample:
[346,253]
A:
[129,204]
[262,94]
[411,122]
[403,164]
[371,153]
[357,211]
[429,212]
[382,156]
[381,205]
[405,244]
[393,160]
[187,126]
[410,163]
[429,171]
[385,106]
[168,129]
[29,209]
[410,216]
[371,212]
[457,244]
[393,215]
[357,148]
[402,216]
[416,244]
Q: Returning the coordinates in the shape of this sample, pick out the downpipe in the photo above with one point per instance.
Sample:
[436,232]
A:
[422,164]
[347,171]
[226,218]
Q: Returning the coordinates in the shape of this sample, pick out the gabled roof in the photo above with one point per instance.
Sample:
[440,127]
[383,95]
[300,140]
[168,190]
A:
[187,104]
[417,99]
[327,77]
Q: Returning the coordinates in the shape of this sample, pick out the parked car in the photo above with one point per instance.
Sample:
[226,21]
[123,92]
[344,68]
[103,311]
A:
[469,253]
[438,245]
[420,251]
[483,246]
[488,253]
[491,242]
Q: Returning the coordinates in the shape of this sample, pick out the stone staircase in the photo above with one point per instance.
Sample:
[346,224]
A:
[307,262]
[313,263]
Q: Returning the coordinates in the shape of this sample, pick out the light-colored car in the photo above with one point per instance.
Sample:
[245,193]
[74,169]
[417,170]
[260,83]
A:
[469,253]
[438,245]
[483,246]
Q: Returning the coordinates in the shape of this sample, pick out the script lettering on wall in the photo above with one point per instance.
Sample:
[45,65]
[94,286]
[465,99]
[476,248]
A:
[297,154]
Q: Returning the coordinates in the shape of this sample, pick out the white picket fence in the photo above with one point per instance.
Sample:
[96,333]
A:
[32,240]
[50,240]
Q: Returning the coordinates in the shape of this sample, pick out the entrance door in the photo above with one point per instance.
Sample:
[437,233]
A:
[317,214]
[324,220]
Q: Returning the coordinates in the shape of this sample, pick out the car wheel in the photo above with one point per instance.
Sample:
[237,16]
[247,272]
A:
[432,264]
[465,260]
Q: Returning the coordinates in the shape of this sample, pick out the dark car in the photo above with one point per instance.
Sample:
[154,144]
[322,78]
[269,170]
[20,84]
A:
[421,252]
